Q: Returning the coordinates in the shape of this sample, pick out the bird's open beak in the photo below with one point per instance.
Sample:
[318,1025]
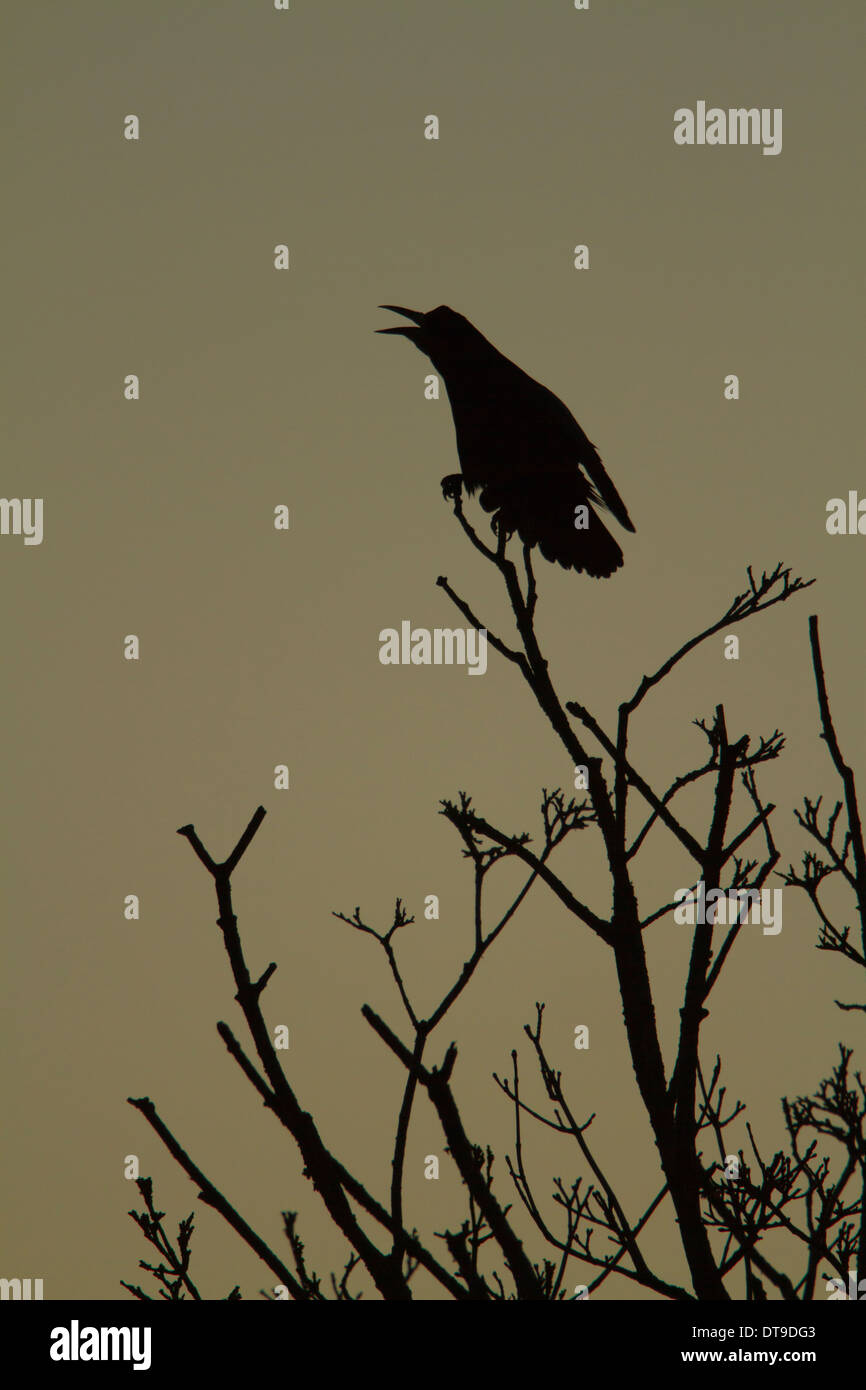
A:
[414,314]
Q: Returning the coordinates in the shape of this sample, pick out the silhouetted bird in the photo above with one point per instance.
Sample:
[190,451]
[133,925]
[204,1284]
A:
[520,445]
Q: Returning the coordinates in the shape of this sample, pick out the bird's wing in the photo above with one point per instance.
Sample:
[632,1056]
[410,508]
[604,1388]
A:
[595,469]
[582,450]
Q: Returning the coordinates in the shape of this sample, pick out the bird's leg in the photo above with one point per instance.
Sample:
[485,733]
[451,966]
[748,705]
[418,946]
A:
[452,486]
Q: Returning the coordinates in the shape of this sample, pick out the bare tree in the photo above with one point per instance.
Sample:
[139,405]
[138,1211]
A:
[721,1216]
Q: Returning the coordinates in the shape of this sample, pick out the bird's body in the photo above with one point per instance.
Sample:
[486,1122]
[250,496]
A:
[521,446]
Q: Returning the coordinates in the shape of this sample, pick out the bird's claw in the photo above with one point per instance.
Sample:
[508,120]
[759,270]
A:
[452,486]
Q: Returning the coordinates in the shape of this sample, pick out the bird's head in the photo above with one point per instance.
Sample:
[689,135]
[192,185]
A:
[442,334]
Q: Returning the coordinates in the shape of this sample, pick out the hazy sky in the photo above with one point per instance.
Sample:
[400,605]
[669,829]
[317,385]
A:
[257,647]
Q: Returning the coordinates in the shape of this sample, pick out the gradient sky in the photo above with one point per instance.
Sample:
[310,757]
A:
[259,648]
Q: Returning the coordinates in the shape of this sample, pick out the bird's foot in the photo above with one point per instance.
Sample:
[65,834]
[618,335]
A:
[452,486]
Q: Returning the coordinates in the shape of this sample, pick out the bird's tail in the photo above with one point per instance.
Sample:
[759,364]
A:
[567,533]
